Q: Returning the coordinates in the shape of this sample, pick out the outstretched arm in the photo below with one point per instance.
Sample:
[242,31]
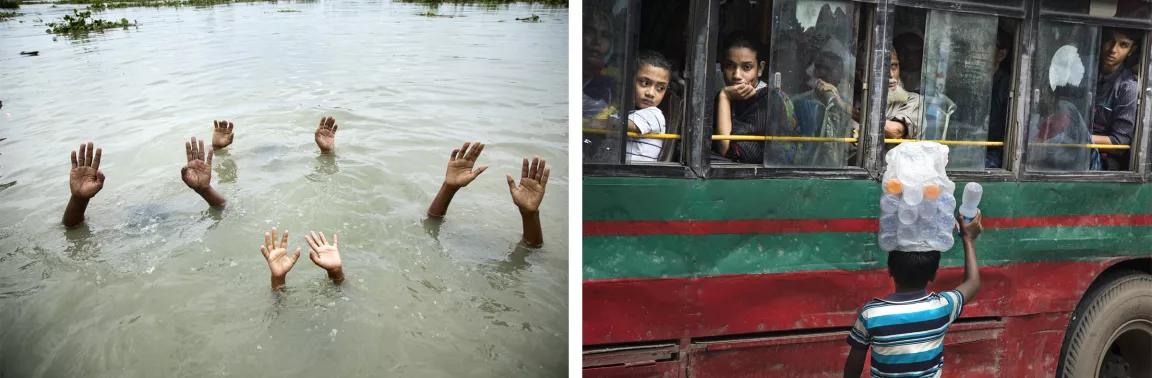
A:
[326,135]
[85,180]
[969,232]
[197,174]
[458,175]
[527,196]
[279,262]
[326,255]
[854,365]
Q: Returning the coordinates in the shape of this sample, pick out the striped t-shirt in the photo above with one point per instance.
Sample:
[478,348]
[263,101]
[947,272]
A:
[906,332]
[649,121]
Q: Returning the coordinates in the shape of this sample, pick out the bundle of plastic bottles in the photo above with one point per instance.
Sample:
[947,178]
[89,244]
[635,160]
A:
[917,207]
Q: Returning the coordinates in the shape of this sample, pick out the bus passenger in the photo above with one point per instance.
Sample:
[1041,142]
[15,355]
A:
[746,106]
[652,76]
[1115,105]
[1001,90]
[902,117]
[906,329]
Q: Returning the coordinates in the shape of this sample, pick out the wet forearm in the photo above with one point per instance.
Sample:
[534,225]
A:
[439,205]
[336,275]
[277,282]
[533,235]
[211,196]
[74,213]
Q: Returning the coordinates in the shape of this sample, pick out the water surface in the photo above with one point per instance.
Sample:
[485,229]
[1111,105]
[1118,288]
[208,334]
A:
[155,283]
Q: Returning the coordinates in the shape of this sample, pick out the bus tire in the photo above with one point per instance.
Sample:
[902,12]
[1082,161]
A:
[1112,322]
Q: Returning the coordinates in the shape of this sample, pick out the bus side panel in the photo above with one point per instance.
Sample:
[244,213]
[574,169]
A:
[666,369]
[1032,344]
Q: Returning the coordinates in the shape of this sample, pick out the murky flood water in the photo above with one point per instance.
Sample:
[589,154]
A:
[156,284]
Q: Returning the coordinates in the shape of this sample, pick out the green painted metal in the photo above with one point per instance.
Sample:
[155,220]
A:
[651,256]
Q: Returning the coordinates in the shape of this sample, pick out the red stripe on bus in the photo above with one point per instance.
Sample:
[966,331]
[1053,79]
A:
[790,226]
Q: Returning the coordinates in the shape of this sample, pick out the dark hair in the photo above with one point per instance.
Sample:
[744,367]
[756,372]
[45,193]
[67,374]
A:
[739,40]
[904,42]
[913,270]
[1137,38]
[651,58]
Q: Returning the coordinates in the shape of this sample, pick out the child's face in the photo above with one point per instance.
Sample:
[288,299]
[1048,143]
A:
[650,85]
[740,66]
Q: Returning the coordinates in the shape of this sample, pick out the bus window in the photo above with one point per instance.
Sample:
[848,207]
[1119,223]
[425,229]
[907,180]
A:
[602,93]
[657,120]
[788,96]
[1063,78]
[1086,98]
[1134,9]
[959,63]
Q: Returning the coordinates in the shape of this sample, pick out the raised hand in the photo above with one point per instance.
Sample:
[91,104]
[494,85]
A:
[326,135]
[276,254]
[324,255]
[86,180]
[533,179]
[221,134]
[197,174]
[460,172]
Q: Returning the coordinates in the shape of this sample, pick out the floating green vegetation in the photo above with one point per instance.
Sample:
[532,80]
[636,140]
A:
[9,4]
[431,12]
[82,23]
[5,16]
[534,18]
[100,5]
[287,11]
[562,3]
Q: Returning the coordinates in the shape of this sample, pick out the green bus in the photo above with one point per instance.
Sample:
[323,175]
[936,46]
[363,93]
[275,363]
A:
[700,264]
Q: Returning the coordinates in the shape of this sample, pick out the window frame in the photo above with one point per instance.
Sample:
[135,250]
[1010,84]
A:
[703,42]
[1139,172]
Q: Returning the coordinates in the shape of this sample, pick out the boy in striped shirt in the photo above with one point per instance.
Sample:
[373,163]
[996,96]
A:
[905,330]
[652,76]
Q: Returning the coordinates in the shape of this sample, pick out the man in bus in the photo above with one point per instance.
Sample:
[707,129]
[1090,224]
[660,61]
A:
[902,117]
[906,329]
[1115,106]
[746,106]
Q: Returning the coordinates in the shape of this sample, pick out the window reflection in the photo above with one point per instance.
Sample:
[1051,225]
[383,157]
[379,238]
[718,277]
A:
[602,90]
[1063,74]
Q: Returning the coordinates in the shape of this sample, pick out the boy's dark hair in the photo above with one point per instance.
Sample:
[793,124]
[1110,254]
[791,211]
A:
[740,40]
[651,58]
[913,270]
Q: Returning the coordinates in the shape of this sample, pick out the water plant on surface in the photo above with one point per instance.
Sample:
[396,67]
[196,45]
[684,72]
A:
[563,3]
[100,5]
[82,22]
[5,16]
[534,18]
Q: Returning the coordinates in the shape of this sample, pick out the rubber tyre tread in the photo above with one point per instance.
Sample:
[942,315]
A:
[1103,310]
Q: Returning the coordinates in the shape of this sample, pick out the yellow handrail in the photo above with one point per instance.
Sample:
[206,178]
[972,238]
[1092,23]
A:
[780,138]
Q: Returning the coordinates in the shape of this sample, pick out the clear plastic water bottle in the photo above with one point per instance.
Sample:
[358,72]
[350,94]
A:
[972,194]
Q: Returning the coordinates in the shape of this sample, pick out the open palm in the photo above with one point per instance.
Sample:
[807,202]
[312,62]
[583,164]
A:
[197,174]
[530,192]
[85,179]
[276,254]
[221,134]
[326,134]
[324,255]
[460,172]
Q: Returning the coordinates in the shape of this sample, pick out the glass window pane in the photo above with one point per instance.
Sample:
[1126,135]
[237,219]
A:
[956,80]
[1064,76]
[1134,9]
[813,78]
[658,84]
[603,68]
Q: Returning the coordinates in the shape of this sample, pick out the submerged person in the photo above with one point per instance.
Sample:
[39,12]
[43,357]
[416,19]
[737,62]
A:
[84,181]
[746,106]
[1115,106]
[526,195]
[322,253]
